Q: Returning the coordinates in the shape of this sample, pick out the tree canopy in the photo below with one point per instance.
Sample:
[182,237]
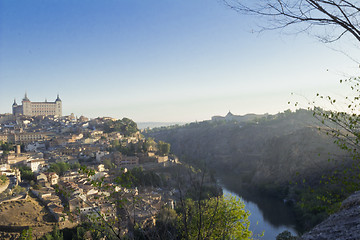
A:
[125,126]
[214,218]
[163,148]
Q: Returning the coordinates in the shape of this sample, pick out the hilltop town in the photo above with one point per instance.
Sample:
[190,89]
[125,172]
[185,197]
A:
[65,170]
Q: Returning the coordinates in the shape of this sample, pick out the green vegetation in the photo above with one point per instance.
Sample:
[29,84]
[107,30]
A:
[6,147]
[108,164]
[123,147]
[203,216]
[56,234]
[17,189]
[3,179]
[286,235]
[318,199]
[137,177]
[267,154]
[214,218]
[26,173]
[125,126]
[166,223]
[26,234]
[164,148]
[149,145]
[61,167]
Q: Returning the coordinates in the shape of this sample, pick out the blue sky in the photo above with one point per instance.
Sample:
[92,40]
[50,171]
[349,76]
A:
[164,60]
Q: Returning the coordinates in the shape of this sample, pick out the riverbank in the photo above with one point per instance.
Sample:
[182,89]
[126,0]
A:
[268,220]
[268,213]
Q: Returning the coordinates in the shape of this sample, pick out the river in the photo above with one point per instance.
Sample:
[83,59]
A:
[269,215]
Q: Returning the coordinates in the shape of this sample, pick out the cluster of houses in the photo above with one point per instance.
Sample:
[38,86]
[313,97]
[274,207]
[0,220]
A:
[44,140]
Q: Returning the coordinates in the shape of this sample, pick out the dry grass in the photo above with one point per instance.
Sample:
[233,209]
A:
[29,212]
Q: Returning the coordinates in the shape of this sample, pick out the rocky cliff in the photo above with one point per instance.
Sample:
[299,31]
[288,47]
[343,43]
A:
[343,225]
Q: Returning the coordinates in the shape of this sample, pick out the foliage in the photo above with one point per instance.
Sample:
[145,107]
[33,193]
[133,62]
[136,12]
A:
[126,150]
[108,164]
[285,235]
[344,127]
[6,147]
[149,145]
[26,234]
[166,223]
[214,218]
[163,148]
[26,173]
[3,179]
[17,189]
[137,177]
[80,232]
[125,126]
[60,168]
[56,234]
[75,166]
[322,196]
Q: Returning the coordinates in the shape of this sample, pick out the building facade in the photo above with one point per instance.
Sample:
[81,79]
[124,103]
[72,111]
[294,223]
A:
[46,108]
[25,137]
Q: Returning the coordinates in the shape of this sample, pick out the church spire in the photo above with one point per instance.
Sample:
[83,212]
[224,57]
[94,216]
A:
[26,97]
[14,104]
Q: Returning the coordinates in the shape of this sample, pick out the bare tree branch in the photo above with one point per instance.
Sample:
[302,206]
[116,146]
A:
[342,16]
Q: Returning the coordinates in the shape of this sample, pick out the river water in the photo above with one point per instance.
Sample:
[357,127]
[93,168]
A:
[269,215]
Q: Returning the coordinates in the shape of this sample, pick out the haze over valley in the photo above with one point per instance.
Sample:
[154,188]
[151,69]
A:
[179,120]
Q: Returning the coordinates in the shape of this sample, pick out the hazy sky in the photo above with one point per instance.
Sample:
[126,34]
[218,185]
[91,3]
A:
[157,60]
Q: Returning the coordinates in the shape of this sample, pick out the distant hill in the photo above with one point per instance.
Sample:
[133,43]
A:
[144,125]
[265,149]
[238,118]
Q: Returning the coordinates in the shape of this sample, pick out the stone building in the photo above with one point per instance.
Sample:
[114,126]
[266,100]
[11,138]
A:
[46,108]
[25,137]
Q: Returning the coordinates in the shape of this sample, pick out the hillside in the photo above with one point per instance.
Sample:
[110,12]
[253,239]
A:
[273,149]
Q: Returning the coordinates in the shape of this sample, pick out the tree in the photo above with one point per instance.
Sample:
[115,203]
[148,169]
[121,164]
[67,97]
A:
[125,126]
[340,120]
[204,213]
[163,148]
[214,218]
[54,235]
[336,18]
[3,179]
[26,173]
[26,234]
[344,126]
[166,223]
[286,235]
[6,147]
[60,168]
[149,145]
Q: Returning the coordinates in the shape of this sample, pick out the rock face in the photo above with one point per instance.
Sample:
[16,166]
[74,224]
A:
[343,225]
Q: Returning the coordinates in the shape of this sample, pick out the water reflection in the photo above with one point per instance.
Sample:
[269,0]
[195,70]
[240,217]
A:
[268,214]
